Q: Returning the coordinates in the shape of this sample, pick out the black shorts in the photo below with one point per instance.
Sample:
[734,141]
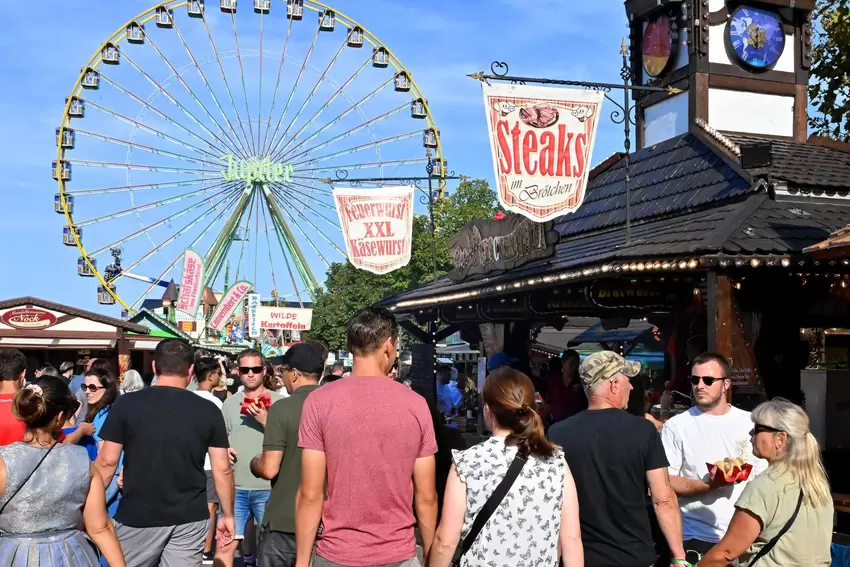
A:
[212,497]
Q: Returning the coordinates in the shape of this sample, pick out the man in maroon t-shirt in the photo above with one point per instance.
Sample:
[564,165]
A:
[373,438]
[13,366]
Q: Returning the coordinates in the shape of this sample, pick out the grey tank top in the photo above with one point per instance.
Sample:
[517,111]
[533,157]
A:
[52,499]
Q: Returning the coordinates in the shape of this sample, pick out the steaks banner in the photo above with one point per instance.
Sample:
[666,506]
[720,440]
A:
[542,141]
[377,225]
[228,304]
[191,282]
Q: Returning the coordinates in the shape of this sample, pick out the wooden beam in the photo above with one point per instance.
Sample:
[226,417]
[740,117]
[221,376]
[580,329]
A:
[801,114]
[720,69]
[419,334]
[699,97]
[751,85]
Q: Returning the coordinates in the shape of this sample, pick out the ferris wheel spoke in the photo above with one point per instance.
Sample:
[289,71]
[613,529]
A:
[242,75]
[361,165]
[147,206]
[226,82]
[141,167]
[286,191]
[209,88]
[191,92]
[247,235]
[186,111]
[149,129]
[369,123]
[219,150]
[292,207]
[344,113]
[294,88]
[140,187]
[311,192]
[180,256]
[360,148]
[297,255]
[287,252]
[217,253]
[277,83]
[309,96]
[233,187]
[269,246]
[166,242]
[260,104]
[145,148]
[324,107]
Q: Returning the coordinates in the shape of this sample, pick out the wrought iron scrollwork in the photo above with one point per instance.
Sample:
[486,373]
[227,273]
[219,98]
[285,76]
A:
[341,174]
[499,68]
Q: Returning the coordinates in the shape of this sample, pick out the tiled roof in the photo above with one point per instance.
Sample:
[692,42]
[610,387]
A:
[673,176]
[753,225]
[804,165]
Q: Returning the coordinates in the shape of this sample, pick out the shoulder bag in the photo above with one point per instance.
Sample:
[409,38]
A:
[29,476]
[492,504]
[772,543]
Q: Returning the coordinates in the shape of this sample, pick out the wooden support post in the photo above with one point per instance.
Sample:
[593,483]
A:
[719,317]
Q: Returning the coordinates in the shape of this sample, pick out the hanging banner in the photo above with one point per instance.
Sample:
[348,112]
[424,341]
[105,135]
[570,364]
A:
[228,304]
[542,141]
[191,282]
[377,225]
[284,318]
[253,323]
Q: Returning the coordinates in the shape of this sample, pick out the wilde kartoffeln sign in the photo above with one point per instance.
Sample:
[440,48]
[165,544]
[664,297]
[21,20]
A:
[542,142]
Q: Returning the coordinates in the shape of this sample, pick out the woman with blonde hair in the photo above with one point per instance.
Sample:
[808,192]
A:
[512,497]
[784,516]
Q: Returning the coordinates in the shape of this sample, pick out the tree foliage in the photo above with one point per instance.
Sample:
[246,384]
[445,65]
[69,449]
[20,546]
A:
[829,88]
[348,289]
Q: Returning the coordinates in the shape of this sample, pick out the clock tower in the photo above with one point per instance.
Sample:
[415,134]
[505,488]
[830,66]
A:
[742,66]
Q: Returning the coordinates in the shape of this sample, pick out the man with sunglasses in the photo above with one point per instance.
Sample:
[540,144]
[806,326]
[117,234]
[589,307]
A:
[709,432]
[245,415]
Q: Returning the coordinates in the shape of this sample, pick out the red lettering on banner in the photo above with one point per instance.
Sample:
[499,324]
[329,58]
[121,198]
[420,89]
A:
[518,157]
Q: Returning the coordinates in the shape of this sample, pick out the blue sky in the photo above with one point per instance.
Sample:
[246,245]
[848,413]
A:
[438,42]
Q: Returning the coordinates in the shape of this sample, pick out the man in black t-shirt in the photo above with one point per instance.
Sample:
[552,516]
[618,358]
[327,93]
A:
[616,458]
[165,433]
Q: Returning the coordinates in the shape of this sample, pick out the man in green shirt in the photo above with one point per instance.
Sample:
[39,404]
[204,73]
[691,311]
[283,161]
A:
[280,460]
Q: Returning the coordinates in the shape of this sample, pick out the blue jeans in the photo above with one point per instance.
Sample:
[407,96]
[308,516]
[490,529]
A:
[249,504]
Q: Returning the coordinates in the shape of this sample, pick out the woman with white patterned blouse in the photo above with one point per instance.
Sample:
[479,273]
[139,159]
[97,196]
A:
[537,522]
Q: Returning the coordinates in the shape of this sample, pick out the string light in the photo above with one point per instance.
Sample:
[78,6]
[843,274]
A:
[787,262]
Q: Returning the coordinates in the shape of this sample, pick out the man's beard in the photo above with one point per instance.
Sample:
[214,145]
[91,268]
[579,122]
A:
[713,403]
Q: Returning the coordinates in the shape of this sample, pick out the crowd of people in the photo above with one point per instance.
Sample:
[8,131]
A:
[303,470]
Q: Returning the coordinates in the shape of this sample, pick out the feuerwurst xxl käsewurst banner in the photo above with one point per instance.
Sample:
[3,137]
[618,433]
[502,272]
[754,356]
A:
[377,225]
[542,141]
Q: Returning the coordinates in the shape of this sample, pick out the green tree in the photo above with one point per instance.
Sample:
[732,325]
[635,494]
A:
[829,88]
[348,289]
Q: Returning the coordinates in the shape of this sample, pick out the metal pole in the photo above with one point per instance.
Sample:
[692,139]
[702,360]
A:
[430,170]
[626,74]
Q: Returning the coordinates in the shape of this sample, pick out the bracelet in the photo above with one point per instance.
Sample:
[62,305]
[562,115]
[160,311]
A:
[681,562]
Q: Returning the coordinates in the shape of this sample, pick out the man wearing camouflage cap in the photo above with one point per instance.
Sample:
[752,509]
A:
[615,458]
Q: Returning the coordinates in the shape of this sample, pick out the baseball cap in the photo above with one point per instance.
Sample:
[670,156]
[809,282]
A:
[500,359]
[601,366]
[304,358]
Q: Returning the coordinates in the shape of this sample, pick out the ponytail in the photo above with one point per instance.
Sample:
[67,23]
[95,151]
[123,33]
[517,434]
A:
[509,394]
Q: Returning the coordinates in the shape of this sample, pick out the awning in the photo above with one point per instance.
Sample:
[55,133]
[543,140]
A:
[636,332]
[69,343]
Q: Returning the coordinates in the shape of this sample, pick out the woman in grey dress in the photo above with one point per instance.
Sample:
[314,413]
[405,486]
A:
[49,491]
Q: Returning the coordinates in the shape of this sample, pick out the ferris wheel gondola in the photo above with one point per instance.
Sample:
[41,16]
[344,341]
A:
[217,130]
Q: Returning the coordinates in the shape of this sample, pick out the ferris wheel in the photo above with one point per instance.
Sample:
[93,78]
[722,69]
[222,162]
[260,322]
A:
[219,128]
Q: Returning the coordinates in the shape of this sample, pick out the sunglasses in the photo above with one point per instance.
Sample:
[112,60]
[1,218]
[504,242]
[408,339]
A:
[759,428]
[91,388]
[247,369]
[707,380]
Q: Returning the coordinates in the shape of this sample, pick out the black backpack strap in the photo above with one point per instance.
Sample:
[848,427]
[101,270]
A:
[772,543]
[493,502]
